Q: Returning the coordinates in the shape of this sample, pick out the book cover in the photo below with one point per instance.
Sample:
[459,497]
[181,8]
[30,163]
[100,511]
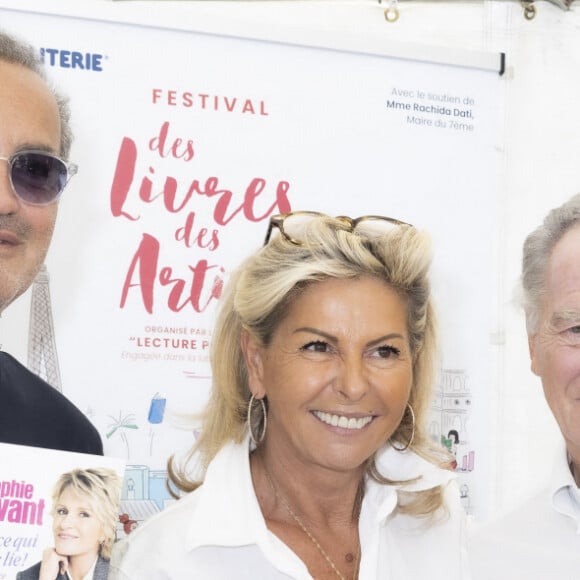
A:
[59,511]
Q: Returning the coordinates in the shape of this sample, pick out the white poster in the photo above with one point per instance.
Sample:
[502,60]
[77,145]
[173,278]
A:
[186,144]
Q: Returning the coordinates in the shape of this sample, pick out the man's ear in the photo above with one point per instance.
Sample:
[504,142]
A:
[253,356]
[532,349]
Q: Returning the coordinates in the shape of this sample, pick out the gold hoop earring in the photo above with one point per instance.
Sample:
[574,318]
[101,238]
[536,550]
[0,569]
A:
[259,440]
[411,439]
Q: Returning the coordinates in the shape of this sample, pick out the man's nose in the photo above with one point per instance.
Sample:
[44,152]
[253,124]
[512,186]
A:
[9,202]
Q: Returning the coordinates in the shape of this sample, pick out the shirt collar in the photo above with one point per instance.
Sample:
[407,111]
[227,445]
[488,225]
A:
[88,575]
[564,491]
[407,465]
[413,474]
[227,512]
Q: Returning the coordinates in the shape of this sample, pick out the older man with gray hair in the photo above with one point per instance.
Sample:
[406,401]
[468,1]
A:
[541,540]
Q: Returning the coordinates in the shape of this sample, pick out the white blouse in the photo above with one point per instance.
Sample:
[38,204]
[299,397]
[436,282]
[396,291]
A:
[218,532]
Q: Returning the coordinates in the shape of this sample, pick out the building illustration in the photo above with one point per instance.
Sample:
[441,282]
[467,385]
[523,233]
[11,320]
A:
[42,354]
[144,493]
[449,425]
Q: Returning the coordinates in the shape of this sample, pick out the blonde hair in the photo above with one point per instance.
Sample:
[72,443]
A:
[102,487]
[257,299]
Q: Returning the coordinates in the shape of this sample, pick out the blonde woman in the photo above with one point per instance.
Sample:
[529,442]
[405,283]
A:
[313,451]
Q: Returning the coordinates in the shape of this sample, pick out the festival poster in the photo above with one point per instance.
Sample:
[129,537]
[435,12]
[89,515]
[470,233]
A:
[27,481]
[187,143]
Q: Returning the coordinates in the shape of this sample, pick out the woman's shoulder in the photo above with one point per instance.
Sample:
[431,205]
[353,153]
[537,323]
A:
[177,517]
[101,569]
[167,528]
[161,537]
[31,573]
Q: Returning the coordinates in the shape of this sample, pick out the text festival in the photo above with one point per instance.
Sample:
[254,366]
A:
[204,280]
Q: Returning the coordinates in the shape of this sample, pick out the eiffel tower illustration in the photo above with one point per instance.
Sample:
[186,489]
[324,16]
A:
[42,355]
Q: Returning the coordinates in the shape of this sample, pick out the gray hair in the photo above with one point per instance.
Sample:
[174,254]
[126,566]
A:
[14,51]
[537,251]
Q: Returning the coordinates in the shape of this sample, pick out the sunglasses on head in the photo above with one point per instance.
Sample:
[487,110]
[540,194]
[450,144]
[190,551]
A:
[293,225]
[37,177]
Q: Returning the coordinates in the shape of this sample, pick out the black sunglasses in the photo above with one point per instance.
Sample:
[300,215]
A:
[37,177]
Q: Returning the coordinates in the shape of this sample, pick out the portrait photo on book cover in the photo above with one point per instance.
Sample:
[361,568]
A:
[59,514]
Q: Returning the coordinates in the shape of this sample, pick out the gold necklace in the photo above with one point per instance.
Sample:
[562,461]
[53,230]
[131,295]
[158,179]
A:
[309,534]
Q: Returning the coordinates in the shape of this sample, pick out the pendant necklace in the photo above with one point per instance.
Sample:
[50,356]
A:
[349,557]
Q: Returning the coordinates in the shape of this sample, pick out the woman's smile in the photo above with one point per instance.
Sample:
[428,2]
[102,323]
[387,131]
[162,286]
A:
[343,421]
[67,536]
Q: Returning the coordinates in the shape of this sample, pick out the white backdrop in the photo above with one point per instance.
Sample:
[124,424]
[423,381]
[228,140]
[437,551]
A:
[539,95]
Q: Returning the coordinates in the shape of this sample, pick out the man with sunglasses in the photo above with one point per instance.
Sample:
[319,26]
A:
[35,137]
